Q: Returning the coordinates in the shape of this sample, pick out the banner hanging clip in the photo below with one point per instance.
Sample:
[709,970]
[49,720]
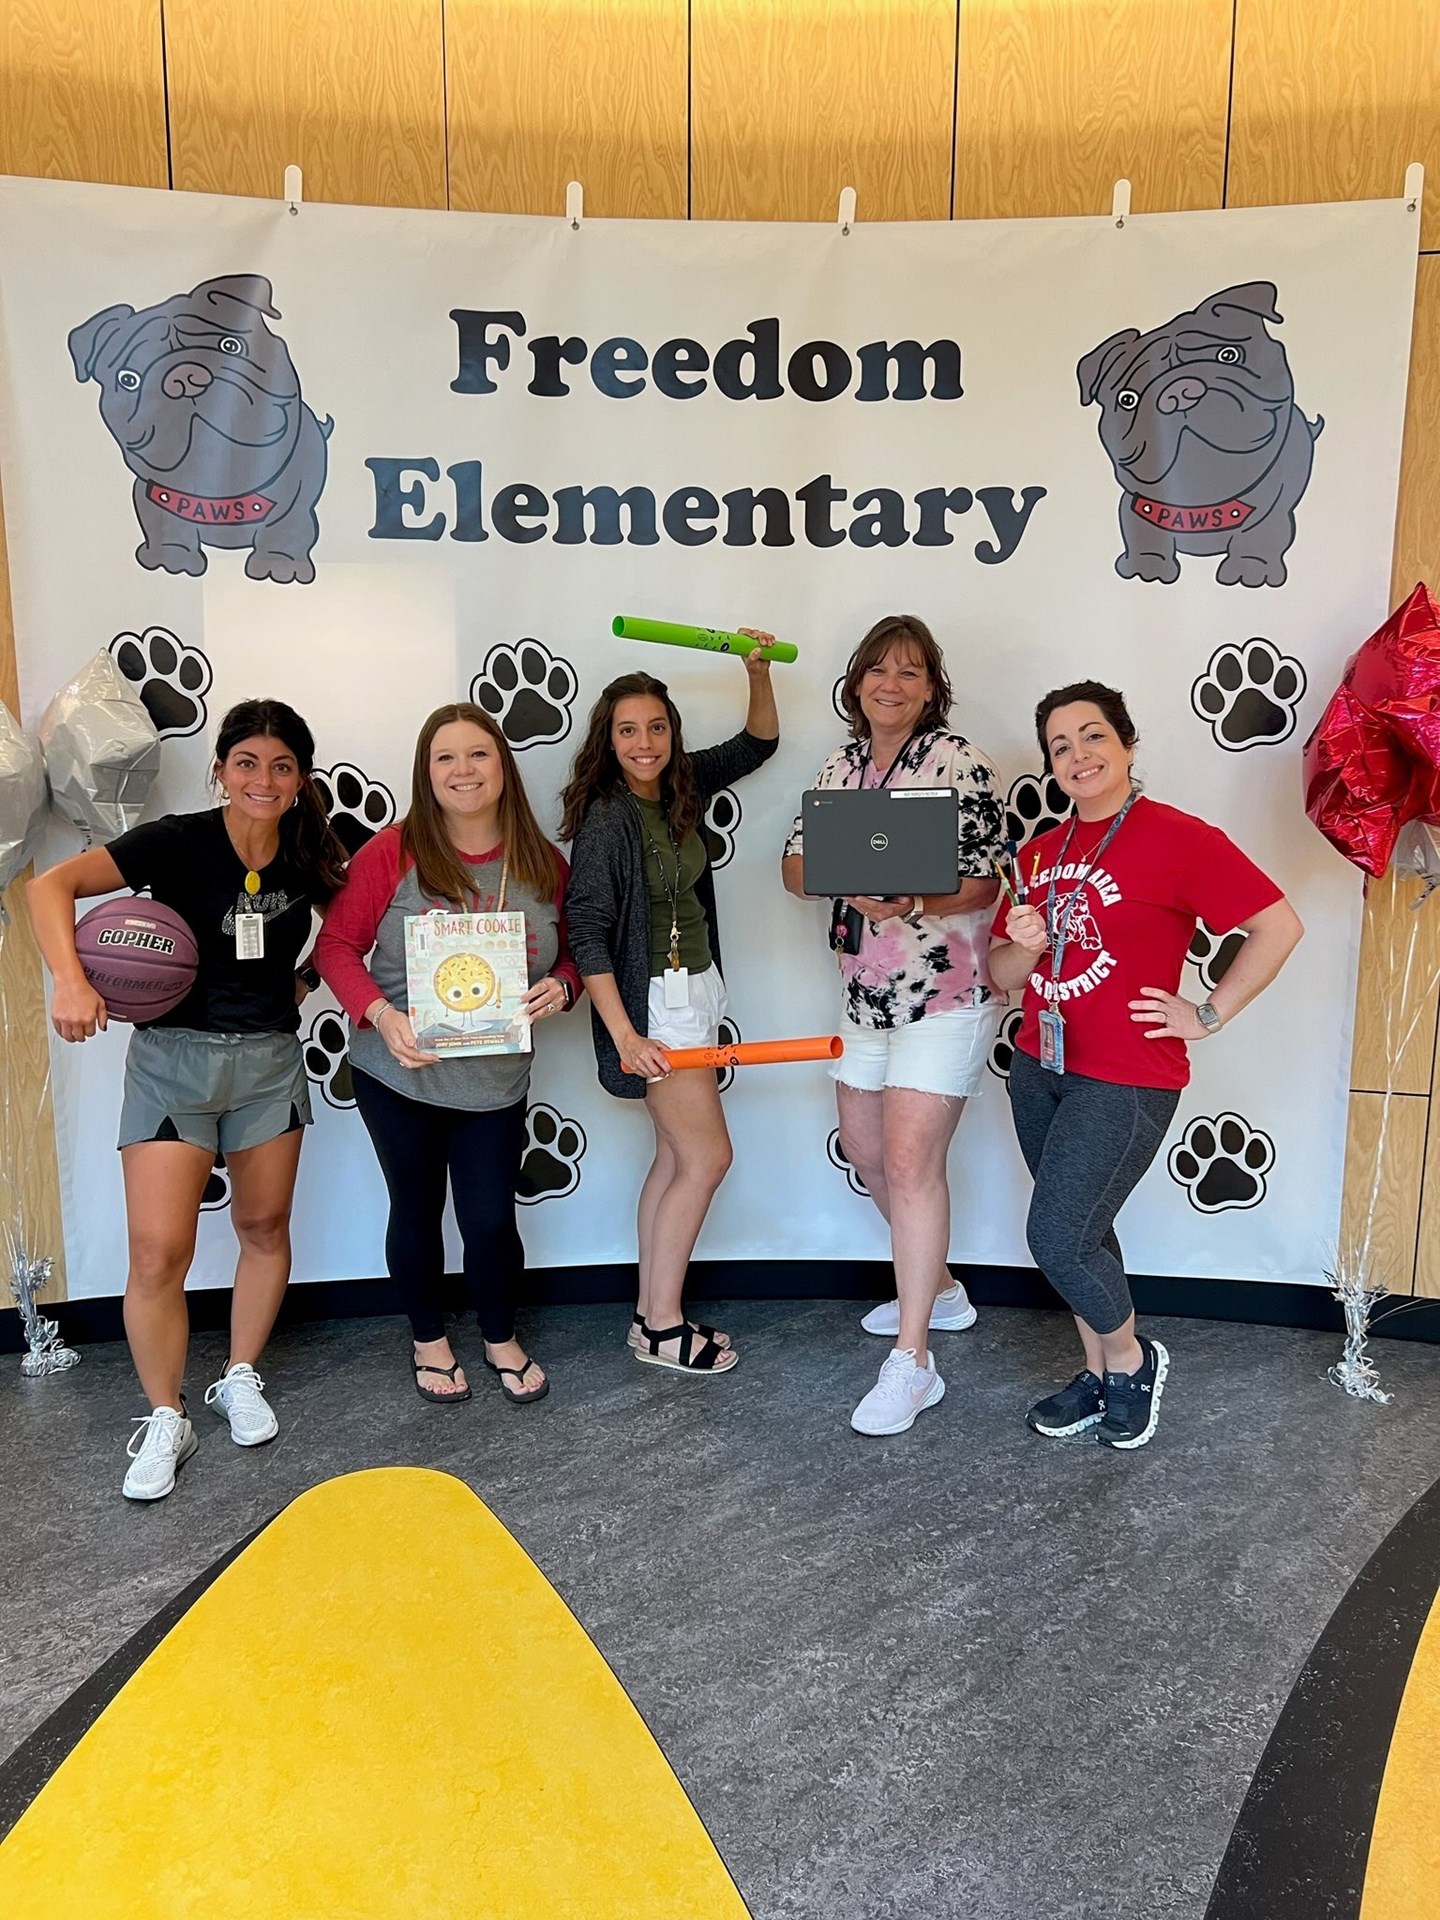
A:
[1120,202]
[846,215]
[1414,186]
[575,204]
[294,188]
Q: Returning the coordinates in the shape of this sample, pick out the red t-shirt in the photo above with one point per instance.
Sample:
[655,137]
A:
[1163,871]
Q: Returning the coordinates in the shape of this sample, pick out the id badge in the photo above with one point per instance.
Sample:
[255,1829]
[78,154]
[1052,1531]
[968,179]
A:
[249,936]
[1052,1040]
[677,986]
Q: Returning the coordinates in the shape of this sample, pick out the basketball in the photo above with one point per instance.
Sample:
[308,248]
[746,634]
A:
[139,956]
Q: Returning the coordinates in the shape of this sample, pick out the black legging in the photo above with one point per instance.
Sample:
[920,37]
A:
[1087,1143]
[418,1147]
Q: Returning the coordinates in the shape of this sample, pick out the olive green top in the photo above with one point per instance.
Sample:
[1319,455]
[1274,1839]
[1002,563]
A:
[661,881]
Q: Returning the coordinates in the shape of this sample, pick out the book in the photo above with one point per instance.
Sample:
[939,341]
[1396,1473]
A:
[466,975]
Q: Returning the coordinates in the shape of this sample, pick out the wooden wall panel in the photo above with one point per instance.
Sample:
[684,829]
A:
[1417,527]
[1399,964]
[541,92]
[1332,99]
[351,90]
[1427,1259]
[791,100]
[27,1123]
[82,91]
[1394,1224]
[82,97]
[1058,101]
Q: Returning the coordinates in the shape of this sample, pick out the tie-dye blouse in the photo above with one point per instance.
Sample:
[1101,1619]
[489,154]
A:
[904,972]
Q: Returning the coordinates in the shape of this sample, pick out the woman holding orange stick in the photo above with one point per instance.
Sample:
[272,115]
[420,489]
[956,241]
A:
[641,910]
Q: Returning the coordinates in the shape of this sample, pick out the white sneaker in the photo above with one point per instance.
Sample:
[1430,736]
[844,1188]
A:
[236,1396]
[902,1391]
[162,1440]
[951,1313]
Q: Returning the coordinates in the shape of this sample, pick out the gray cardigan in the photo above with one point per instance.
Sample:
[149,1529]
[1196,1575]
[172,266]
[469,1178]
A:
[607,903]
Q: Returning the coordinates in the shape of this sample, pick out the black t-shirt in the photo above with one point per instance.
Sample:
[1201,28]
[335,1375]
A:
[186,862]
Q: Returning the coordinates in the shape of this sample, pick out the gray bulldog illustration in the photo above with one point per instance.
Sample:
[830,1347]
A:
[204,403]
[1200,422]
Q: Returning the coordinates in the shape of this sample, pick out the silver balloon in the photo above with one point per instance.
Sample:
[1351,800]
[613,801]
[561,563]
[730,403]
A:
[1417,850]
[102,752]
[22,796]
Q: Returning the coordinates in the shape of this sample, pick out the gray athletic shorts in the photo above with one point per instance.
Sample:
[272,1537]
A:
[220,1091]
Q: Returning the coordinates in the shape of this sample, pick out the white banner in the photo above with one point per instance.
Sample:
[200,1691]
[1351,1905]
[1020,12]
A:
[470,441]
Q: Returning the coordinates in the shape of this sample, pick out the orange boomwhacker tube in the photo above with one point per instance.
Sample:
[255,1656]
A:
[756,1053]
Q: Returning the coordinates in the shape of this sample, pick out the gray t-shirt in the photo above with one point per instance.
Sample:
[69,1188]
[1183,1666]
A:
[478,1085]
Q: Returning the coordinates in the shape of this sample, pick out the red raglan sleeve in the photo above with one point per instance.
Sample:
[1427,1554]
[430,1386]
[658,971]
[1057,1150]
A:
[565,968]
[352,921]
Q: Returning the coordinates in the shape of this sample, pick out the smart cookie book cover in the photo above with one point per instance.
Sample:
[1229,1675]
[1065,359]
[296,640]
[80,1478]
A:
[466,977]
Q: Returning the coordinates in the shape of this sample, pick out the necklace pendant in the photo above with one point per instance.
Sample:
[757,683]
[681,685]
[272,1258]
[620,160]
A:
[252,882]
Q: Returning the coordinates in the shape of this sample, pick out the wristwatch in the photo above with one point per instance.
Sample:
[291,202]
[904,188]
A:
[1208,1017]
[916,913]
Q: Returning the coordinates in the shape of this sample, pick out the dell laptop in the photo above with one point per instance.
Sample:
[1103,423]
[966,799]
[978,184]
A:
[881,841]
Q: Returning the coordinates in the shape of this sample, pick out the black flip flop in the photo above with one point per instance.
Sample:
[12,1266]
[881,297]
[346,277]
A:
[429,1393]
[519,1399]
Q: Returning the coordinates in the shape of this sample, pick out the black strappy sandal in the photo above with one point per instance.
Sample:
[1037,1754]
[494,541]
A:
[637,1326]
[519,1399]
[429,1393]
[704,1357]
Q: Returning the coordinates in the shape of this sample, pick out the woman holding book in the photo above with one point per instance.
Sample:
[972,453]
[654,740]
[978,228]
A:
[469,843]
[641,903]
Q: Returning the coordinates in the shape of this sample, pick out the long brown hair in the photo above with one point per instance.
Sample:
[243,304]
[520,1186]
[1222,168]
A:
[909,631]
[595,770]
[423,837]
[307,839]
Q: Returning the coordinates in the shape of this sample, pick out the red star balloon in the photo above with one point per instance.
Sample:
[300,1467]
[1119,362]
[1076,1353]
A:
[1373,762]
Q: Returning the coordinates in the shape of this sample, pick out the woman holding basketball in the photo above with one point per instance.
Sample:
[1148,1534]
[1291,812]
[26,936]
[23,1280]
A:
[221,1072]
[642,918]
[469,843]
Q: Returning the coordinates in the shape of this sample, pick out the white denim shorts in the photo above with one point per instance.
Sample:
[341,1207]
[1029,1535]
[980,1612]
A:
[944,1053]
[695,1025]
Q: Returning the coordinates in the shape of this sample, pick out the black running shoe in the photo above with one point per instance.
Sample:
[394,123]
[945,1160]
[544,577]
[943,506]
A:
[1072,1410]
[1132,1400]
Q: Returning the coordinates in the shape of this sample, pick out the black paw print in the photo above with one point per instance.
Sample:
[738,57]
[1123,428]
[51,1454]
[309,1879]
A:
[717,829]
[171,679]
[550,1164]
[358,806]
[836,701]
[216,1196]
[529,690]
[835,1154]
[1212,953]
[1035,803]
[1222,1163]
[327,1059]
[1248,695]
[728,1036]
[1002,1049]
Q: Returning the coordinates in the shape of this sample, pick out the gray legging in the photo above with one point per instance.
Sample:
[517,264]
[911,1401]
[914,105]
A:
[1086,1142]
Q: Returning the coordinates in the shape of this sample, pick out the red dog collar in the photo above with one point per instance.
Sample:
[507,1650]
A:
[232,511]
[1216,519]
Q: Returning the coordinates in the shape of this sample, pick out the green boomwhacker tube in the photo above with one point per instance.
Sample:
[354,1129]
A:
[708,639]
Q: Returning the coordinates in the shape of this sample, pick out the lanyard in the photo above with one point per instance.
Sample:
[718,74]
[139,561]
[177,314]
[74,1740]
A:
[869,762]
[1059,927]
[672,893]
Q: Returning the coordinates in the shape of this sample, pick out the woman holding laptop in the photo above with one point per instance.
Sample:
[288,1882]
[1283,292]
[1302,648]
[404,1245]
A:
[918,1013]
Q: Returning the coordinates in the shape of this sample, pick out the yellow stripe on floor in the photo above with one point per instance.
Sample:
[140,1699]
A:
[381,1709]
[1402,1875]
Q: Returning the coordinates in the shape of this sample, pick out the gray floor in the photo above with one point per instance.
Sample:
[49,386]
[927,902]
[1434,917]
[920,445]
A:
[963,1672]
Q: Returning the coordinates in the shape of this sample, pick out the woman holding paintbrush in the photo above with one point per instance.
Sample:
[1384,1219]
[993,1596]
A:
[918,1010]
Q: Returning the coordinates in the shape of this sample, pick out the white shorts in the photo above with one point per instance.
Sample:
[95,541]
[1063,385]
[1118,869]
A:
[944,1053]
[695,1025]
